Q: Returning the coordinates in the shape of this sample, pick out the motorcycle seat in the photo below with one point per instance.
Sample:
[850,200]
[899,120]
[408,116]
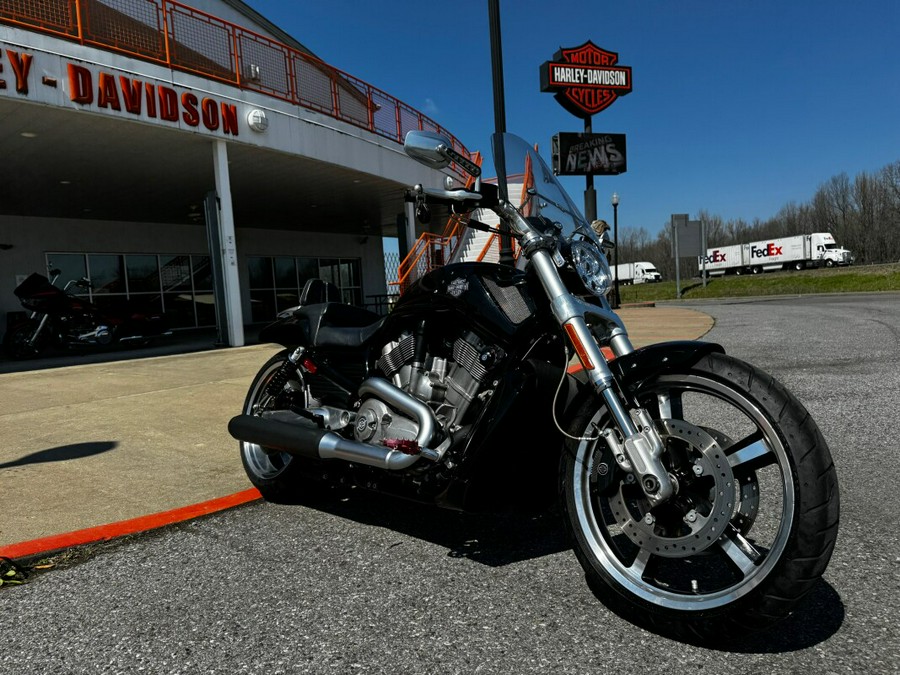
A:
[333,324]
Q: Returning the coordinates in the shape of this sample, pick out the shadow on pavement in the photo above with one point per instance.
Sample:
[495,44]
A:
[820,615]
[62,453]
[494,540]
[498,540]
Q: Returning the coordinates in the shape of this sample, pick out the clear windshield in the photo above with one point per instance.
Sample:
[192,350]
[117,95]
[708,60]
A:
[531,186]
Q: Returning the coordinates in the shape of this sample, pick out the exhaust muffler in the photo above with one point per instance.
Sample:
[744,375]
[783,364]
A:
[288,432]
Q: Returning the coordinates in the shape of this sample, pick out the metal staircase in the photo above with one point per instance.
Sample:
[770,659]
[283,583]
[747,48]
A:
[458,243]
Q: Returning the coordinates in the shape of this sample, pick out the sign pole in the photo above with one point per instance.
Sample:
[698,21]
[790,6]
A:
[703,250]
[677,264]
[586,80]
[590,195]
[506,251]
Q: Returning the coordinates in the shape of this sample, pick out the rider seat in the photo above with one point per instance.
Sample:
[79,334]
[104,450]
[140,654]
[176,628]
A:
[324,321]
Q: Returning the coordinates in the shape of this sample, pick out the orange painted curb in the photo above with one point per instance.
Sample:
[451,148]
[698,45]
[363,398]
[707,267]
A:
[123,527]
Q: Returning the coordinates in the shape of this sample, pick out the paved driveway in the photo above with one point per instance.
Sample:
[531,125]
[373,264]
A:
[373,585]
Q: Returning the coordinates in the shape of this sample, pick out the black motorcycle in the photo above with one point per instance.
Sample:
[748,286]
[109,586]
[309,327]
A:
[700,496]
[62,319]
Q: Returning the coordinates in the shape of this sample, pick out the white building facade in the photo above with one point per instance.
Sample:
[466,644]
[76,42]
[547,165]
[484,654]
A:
[196,159]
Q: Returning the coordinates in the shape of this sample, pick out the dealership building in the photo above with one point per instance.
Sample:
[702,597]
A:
[193,157]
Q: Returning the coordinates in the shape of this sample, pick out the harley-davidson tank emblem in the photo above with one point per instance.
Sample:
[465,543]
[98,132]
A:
[457,287]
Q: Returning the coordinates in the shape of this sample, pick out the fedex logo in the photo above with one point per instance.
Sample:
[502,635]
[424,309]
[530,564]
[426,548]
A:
[716,257]
[770,250]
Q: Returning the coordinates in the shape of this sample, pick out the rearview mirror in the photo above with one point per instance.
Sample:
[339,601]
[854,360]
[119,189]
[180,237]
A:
[428,148]
[437,152]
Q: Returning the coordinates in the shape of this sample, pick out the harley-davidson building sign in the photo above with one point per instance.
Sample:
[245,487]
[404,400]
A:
[585,79]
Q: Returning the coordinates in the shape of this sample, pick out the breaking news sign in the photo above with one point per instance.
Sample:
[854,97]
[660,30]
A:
[576,154]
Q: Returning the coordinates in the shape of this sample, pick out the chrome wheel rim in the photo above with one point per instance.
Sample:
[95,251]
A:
[669,556]
[264,463]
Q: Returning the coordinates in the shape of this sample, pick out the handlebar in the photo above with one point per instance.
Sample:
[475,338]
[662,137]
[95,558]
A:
[448,198]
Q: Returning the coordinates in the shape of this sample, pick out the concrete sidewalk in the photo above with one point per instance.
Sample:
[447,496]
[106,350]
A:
[92,444]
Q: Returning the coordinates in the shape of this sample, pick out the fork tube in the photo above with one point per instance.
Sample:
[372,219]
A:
[37,331]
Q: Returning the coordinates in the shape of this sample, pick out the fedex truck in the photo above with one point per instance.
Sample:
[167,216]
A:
[636,273]
[782,253]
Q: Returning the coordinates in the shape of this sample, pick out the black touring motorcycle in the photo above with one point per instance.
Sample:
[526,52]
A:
[700,496]
[61,318]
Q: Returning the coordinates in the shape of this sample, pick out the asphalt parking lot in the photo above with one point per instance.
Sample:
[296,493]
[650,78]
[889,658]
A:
[367,584]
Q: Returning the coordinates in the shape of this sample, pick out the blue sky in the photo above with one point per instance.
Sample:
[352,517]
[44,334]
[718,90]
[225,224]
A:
[738,107]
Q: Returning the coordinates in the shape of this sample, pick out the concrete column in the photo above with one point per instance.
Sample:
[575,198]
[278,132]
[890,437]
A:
[228,251]
[410,237]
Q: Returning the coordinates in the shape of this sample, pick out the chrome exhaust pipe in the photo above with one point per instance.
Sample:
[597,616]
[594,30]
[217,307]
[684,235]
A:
[295,435]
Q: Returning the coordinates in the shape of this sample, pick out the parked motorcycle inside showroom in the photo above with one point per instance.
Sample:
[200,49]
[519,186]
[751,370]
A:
[700,496]
[62,319]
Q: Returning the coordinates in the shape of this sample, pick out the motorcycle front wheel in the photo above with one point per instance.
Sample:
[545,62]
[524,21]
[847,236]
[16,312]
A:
[753,521]
[16,343]
[278,476]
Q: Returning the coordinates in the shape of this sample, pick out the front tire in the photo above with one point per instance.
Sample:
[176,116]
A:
[16,345]
[752,525]
[278,476]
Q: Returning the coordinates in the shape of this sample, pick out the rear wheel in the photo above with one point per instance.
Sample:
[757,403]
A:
[752,524]
[278,476]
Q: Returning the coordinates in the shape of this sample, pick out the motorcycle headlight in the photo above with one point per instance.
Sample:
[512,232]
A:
[591,266]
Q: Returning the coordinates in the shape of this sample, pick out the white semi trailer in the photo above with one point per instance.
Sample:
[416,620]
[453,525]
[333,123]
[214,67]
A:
[637,273]
[782,253]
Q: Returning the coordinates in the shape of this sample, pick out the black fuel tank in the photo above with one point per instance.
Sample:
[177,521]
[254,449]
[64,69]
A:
[494,299]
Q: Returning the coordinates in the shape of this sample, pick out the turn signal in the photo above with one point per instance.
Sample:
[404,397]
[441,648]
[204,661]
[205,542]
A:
[579,347]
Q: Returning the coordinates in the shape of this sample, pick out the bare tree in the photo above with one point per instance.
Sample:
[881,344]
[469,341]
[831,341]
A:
[862,214]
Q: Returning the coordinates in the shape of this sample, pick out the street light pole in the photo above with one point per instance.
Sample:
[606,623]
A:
[615,205]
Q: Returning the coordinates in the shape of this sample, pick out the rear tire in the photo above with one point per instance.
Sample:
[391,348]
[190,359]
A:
[279,477]
[752,525]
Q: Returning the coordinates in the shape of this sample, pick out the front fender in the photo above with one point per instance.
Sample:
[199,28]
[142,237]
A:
[647,362]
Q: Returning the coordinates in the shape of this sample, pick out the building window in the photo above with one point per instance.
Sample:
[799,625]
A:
[276,281]
[178,285]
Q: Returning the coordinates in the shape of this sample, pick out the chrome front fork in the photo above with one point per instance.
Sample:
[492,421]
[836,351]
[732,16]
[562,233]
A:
[37,331]
[640,449]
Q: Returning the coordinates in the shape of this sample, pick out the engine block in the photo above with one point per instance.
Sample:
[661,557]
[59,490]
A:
[448,383]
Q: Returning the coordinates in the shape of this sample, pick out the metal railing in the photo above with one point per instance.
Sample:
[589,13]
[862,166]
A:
[189,40]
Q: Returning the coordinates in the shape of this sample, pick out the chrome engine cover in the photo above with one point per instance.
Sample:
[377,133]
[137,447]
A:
[376,421]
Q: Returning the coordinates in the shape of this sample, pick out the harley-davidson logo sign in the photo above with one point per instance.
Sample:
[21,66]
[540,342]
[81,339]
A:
[585,79]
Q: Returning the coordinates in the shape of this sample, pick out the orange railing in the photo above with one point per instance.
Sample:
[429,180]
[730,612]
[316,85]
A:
[189,40]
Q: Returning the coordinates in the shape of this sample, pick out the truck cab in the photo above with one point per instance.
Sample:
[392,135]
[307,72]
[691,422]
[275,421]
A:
[827,252]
